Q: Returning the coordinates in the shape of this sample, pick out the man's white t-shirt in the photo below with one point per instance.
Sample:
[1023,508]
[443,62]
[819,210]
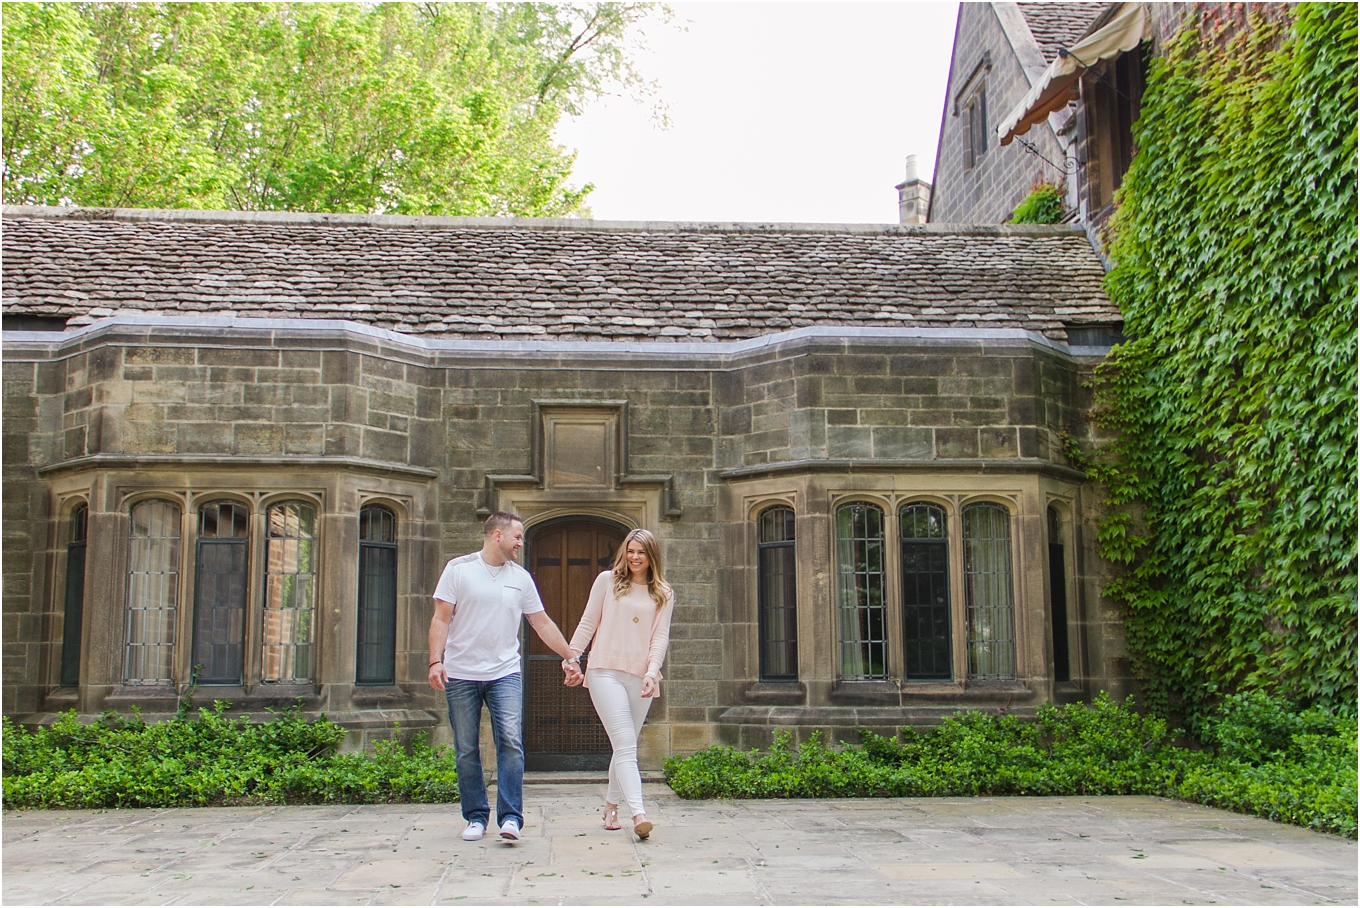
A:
[489,607]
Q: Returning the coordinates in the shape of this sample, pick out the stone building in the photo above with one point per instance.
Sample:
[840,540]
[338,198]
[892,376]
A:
[1000,51]
[238,449]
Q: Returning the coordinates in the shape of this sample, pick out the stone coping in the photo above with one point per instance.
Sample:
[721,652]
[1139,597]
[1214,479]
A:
[275,330]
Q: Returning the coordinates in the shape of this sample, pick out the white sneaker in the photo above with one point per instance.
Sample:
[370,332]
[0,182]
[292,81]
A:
[474,831]
[510,829]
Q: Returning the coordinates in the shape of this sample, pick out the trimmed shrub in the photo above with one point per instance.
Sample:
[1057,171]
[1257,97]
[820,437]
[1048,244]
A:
[1295,767]
[213,760]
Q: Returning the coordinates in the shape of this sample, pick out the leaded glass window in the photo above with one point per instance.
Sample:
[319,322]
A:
[925,593]
[989,592]
[220,592]
[376,658]
[860,596]
[777,595]
[289,592]
[74,613]
[153,593]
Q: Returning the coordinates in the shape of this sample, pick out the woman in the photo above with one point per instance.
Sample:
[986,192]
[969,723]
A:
[629,617]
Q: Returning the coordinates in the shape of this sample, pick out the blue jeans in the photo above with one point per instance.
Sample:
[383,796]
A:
[504,698]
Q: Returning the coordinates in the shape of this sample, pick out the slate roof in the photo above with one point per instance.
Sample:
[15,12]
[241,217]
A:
[1057,25]
[520,279]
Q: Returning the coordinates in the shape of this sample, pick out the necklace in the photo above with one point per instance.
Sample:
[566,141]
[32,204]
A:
[494,574]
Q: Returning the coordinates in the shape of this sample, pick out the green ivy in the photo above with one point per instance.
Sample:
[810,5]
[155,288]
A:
[1233,480]
[1043,205]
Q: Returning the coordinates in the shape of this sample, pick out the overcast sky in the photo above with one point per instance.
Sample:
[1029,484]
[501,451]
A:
[780,112]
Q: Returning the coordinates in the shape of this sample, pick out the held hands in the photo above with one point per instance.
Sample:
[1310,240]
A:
[572,668]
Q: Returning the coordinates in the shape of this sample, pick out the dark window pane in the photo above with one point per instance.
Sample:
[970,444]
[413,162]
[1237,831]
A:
[925,593]
[377,637]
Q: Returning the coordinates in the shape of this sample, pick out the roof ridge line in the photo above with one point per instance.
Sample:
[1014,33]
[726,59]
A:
[414,222]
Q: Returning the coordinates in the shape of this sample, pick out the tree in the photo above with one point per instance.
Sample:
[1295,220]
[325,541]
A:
[444,109]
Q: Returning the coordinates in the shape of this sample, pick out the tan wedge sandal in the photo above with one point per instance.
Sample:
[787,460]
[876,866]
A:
[611,817]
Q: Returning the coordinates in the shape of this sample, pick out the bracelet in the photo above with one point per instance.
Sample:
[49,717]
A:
[574,660]
[436,662]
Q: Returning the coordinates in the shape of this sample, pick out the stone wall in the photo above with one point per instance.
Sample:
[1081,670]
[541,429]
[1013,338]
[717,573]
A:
[442,430]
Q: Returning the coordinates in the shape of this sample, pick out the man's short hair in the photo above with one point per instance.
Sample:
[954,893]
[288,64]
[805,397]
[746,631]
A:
[501,520]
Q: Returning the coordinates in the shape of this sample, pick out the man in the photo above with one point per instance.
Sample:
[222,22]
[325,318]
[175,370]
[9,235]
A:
[474,659]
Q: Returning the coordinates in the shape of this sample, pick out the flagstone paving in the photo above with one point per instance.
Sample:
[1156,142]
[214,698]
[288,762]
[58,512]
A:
[898,851]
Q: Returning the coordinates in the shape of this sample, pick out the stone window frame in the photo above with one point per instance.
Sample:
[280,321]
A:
[257,508]
[1065,507]
[399,518]
[953,504]
[178,642]
[1003,659]
[970,106]
[57,635]
[757,517]
[305,577]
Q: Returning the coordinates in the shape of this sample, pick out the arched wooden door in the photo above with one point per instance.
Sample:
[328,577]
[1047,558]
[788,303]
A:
[561,730]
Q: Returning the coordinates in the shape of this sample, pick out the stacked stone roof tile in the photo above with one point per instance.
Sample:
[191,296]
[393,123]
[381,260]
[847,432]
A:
[1057,25]
[548,280]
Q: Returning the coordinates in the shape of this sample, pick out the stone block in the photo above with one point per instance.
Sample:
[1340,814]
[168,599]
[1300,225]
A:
[158,355]
[249,438]
[842,417]
[383,445]
[148,437]
[338,367]
[203,437]
[877,384]
[392,403]
[159,392]
[903,443]
[300,359]
[289,376]
[349,405]
[237,356]
[296,413]
[696,651]
[1021,411]
[849,441]
[213,393]
[687,738]
[998,442]
[269,395]
[952,443]
[734,420]
[239,413]
[304,438]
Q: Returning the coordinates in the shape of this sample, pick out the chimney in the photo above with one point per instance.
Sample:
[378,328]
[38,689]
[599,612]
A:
[913,196]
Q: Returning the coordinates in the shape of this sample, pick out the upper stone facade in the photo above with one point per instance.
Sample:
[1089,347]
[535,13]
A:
[521,279]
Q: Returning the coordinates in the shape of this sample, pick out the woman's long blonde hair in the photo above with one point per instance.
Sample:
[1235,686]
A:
[657,587]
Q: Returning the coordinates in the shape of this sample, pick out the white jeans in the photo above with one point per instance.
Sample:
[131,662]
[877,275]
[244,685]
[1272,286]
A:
[622,708]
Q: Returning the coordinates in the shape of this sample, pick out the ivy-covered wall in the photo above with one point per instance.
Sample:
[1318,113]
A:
[1234,477]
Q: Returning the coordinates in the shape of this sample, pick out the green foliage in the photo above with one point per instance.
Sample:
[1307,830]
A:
[1296,767]
[1232,483]
[1043,205]
[442,109]
[213,760]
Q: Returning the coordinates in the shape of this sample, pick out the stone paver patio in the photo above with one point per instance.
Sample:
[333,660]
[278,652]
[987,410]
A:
[1076,851]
